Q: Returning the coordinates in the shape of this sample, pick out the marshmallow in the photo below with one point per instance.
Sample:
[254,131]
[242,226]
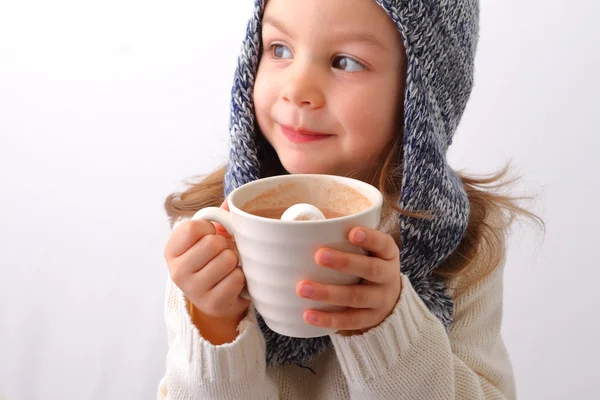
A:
[302,212]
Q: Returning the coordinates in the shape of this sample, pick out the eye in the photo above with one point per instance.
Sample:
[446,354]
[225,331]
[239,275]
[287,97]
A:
[348,64]
[280,51]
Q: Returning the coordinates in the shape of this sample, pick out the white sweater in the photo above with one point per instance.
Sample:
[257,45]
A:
[408,356]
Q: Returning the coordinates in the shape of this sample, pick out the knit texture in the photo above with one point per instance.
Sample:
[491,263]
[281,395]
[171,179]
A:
[440,38]
[409,356]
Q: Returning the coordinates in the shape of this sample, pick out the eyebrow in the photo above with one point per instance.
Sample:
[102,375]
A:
[349,36]
[268,20]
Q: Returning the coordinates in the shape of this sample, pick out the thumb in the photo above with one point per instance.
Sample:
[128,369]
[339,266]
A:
[218,227]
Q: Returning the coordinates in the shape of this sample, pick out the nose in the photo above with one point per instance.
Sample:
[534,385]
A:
[303,87]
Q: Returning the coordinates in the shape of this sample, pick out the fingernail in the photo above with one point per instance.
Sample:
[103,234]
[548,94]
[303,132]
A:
[327,257]
[311,319]
[306,290]
[360,236]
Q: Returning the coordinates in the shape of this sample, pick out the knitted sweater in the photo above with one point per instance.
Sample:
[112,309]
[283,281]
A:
[410,355]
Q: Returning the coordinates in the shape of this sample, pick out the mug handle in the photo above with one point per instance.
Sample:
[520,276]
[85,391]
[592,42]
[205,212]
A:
[223,217]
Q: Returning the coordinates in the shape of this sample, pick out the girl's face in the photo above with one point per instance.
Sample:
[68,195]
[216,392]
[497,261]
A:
[330,85]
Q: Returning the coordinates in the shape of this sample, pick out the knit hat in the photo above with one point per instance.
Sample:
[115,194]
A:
[440,38]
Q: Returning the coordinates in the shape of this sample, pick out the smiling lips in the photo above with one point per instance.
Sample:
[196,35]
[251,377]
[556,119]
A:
[302,135]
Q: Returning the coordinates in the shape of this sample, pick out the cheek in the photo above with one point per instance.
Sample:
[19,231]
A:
[258,97]
[264,95]
[371,120]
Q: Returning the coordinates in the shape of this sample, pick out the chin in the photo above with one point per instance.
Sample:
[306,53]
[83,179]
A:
[306,167]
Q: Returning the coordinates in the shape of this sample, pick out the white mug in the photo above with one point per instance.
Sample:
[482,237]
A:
[275,255]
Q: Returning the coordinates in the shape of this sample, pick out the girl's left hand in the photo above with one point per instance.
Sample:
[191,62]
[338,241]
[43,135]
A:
[373,299]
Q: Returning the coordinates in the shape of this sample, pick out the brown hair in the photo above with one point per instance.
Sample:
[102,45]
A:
[482,247]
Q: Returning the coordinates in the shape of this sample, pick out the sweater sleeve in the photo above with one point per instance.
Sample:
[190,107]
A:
[410,355]
[197,369]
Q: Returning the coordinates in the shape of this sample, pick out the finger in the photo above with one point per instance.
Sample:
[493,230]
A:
[216,270]
[226,294]
[378,243]
[185,236]
[218,227]
[372,269]
[352,319]
[354,296]
[225,205]
[201,253]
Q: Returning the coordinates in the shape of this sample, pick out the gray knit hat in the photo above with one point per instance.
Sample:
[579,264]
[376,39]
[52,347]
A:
[440,38]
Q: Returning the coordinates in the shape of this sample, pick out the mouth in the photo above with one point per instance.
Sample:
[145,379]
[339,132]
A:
[300,135]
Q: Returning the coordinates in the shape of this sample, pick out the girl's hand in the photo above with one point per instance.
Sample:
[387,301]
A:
[373,299]
[203,263]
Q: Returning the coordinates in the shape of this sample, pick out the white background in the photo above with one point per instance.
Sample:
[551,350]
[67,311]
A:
[105,107]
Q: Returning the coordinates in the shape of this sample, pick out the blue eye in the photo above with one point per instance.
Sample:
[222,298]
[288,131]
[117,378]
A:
[280,51]
[348,64]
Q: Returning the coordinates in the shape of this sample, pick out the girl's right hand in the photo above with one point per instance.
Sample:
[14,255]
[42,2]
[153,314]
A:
[203,263]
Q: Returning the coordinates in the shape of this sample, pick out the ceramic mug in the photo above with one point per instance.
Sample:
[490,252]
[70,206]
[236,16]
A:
[275,255]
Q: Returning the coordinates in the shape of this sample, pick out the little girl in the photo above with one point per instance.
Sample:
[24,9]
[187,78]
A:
[374,90]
